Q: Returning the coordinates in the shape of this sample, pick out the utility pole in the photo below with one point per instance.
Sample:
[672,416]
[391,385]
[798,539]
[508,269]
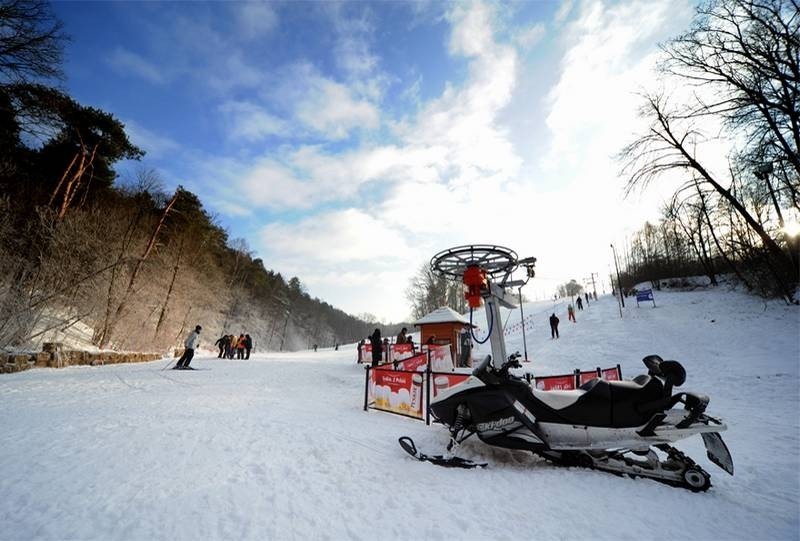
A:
[522,315]
[619,282]
[594,287]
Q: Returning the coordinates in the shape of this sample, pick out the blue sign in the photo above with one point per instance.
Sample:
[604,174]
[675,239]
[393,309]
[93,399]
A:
[644,295]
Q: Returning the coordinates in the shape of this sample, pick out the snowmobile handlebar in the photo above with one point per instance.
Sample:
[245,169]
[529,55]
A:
[486,367]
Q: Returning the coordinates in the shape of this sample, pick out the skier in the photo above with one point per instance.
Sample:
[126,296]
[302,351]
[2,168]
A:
[221,343]
[240,347]
[587,299]
[191,343]
[571,313]
[377,347]
[553,326]
[248,345]
[579,302]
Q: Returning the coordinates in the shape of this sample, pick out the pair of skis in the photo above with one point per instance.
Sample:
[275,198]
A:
[440,460]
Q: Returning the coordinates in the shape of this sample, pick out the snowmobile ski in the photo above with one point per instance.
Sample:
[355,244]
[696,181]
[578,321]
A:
[440,460]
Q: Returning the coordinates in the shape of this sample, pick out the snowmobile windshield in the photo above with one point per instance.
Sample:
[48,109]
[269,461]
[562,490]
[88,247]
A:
[478,370]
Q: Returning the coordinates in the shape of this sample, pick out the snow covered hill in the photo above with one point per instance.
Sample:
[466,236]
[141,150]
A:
[278,447]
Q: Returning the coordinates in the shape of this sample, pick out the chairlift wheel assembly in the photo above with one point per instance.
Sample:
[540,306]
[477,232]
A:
[494,261]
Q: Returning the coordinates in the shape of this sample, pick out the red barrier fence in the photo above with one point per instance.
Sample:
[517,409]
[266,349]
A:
[406,387]
[568,382]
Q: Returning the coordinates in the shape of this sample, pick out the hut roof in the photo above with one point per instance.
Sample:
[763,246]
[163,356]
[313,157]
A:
[442,315]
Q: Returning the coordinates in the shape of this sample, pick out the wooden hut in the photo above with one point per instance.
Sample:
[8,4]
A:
[445,326]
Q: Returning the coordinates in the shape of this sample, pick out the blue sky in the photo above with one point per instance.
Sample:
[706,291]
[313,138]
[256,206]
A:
[348,142]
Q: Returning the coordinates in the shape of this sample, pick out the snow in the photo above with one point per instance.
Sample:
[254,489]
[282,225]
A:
[442,315]
[279,447]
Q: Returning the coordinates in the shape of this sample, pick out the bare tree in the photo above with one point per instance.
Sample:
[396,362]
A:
[31,42]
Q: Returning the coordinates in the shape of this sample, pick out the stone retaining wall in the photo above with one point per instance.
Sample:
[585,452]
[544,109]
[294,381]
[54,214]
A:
[54,356]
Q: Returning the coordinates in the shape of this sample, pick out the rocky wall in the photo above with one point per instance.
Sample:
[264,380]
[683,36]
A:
[53,355]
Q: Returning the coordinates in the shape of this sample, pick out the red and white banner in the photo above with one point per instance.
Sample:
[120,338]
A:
[611,374]
[583,377]
[417,363]
[445,381]
[397,392]
[556,383]
[441,359]
[401,351]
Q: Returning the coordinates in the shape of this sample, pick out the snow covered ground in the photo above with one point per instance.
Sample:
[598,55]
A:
[278,447]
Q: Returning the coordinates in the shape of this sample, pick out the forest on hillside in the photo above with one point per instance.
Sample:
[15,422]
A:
[137,264]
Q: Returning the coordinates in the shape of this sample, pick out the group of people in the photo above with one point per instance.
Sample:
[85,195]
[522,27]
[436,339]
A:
[230,346]
[570,314]
[379,345]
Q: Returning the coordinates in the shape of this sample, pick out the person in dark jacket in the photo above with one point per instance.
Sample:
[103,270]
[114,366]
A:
[221,343]
[377,347]
[248,345]
[579,302]
[553,326]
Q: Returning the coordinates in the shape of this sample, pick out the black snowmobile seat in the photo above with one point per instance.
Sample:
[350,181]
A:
[614,403]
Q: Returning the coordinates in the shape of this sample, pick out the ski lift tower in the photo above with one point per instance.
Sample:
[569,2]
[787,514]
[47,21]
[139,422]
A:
[485,270]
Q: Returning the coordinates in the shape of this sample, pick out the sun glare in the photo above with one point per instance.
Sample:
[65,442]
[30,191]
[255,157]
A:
[792,229]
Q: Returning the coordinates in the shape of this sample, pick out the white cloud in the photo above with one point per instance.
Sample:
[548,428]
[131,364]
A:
[250,122]
[331,109]
[530,36]
[155,145]
[563,11]
[254,19]
[342,236]
[126,62]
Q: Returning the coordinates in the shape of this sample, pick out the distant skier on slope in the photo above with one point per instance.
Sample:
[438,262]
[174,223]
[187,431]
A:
[553,326]
[571,313]
[191,343]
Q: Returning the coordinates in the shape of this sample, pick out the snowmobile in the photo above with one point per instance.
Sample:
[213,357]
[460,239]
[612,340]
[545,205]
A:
[622,427]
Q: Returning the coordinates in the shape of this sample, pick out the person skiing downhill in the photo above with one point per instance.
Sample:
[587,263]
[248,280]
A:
[191,343]
[571,313]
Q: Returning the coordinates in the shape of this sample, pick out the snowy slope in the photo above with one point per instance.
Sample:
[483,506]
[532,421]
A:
[278,447]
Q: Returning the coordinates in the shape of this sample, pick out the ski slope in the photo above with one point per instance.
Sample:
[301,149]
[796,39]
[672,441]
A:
[278,447]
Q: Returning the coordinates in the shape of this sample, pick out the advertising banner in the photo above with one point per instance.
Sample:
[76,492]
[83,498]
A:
[556,383]
[611,374]
[441,360]
[402,351]
[417,363]
[397,392]
[445,381]
[583,377]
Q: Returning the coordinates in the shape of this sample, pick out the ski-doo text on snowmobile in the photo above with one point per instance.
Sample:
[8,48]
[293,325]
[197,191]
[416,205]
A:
[623,427]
